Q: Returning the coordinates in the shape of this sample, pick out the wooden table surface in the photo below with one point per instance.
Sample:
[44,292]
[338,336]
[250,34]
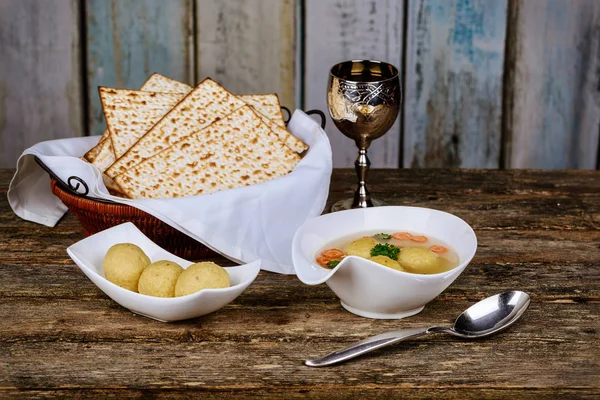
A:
[537,231]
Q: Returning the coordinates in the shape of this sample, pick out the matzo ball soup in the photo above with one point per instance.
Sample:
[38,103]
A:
[403,251]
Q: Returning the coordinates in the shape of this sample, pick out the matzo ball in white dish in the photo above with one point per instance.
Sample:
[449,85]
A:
[202,275]
[159,279]
[123,264]
[89,254]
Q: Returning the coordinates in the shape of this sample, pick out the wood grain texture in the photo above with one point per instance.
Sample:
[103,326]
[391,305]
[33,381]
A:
[340,30]
[302,392]
[455,56]
[128,40]
[553,79]
[248,46]
[40,88]
[537,231]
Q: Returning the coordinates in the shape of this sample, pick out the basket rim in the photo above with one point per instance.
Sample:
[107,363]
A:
[86,203]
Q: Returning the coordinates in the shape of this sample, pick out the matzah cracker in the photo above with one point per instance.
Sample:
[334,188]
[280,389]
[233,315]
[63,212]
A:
[267,104]
[207,103]
[284,135]
[112,187]
[238,150]
[160,83]
[91,154]
[131,113]
[154,83]
[105,156]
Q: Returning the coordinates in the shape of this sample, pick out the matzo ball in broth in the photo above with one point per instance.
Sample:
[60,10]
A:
[403,251]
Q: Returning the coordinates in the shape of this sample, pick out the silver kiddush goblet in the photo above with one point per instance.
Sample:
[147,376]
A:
[363,98]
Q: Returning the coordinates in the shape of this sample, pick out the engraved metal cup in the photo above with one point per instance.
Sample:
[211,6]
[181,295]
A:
[363,98]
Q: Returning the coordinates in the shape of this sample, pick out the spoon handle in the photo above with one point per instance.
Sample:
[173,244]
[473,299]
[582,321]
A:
[365,346]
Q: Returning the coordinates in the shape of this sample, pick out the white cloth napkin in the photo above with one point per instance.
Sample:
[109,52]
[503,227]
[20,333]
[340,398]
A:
[243,224]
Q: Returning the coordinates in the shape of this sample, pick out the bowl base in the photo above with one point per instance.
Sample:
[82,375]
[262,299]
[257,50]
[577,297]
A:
[374,315]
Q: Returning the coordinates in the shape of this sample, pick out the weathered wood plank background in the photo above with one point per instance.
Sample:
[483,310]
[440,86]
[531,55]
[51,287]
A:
[453,88]
[487,83]
[554,84]
[40,74]
[249,46]
[129,40]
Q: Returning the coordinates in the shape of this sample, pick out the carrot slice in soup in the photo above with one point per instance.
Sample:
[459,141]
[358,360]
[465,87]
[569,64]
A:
[438,249]
[402,235]
[322,261]
[419,239]
[333,253]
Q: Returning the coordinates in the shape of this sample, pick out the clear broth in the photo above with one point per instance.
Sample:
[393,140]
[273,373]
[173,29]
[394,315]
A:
[446,261]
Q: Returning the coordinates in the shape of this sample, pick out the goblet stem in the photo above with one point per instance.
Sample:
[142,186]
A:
[362,197]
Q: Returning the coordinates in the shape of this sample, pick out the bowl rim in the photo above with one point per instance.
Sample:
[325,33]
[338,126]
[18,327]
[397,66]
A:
[436,276]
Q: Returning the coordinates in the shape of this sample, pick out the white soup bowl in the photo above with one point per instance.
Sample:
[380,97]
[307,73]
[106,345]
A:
[369,289]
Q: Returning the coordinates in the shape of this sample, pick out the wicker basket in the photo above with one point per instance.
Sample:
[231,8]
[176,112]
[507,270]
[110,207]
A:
[95,216]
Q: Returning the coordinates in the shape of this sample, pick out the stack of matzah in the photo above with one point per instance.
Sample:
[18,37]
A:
[171,140]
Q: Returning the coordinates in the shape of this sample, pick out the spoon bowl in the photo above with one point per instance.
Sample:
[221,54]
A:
[492,314]
[489,316]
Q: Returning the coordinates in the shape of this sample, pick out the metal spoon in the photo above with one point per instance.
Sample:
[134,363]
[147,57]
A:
[487,317]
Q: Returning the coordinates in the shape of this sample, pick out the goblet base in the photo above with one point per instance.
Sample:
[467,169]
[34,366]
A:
[347,204]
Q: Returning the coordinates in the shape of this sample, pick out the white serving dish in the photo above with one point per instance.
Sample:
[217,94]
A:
[369,289]
[89,253]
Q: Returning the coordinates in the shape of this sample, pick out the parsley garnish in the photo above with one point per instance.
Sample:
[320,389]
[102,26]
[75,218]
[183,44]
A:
[333,263]
[385,249]
[382,236]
